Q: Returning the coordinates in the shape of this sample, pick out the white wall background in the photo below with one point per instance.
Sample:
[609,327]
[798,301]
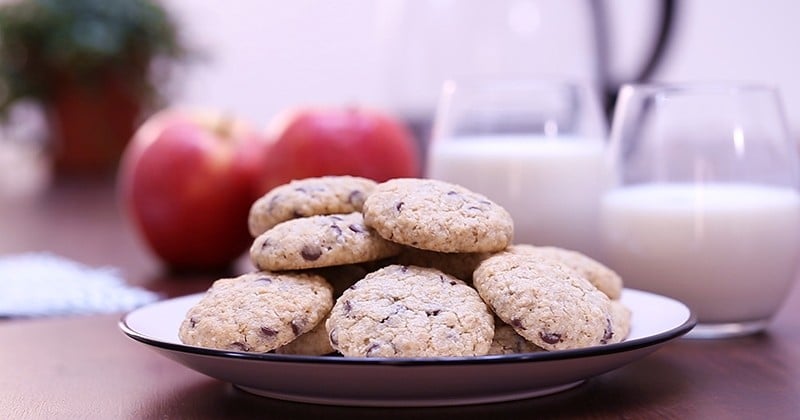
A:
[264,56]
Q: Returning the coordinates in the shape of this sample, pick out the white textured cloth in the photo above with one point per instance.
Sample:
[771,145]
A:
[43,284]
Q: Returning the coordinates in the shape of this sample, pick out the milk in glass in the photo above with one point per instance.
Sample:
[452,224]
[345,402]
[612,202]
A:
[729,251]
[551,186]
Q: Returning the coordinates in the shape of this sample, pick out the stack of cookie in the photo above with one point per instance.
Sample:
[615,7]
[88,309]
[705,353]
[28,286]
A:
[405,268]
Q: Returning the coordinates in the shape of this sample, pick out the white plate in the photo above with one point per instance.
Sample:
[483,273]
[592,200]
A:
[411,381]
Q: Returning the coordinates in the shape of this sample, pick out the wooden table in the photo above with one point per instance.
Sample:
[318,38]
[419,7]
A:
[84,367]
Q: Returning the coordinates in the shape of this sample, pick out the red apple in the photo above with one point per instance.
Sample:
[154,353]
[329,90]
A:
[356,141]
[187,183]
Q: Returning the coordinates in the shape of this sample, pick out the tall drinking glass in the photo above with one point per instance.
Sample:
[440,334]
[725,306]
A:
[706,206]
[536,147]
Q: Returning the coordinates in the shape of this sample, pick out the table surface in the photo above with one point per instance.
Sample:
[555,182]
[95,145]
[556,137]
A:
[84,367]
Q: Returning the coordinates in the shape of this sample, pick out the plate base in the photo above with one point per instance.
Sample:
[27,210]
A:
[727,330]
[422,402]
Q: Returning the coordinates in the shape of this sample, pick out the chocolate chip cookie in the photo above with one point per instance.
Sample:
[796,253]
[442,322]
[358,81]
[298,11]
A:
[548,303]
[312,343]
[459,265]
[598,274]
[507,341]
[319,241]
[437,216]
[407,311]
[308,197]
[257,312]
[620,320]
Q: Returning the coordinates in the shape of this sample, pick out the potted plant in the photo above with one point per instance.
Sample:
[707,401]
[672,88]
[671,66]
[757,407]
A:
[94,66]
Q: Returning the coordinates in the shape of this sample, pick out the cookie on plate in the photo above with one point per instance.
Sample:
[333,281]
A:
[319,241]
[312,343]
[507,341]
[548,303]
[437,216]
[342,276]
[602,277]
[459,265]
[621,321]
[407,311]
[308,197]
[257,312]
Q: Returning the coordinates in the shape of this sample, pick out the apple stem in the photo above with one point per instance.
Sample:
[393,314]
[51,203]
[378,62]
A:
[224,127]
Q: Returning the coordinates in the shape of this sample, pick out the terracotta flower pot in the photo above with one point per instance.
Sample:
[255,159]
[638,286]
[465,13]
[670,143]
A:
[90,125]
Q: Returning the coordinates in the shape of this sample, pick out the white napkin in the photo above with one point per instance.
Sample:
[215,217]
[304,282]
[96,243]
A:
[43,284]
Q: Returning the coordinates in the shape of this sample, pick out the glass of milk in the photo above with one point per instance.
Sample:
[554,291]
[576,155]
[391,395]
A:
[536,147]
[705,207]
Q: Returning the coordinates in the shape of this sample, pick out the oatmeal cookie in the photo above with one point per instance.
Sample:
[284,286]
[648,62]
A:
[308,197]
[459,265]
[548,303]
[437,216]
[319,241]
[257,312]
[407,311]
[312,343]
[602,277]
[507,341]
[620,321]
